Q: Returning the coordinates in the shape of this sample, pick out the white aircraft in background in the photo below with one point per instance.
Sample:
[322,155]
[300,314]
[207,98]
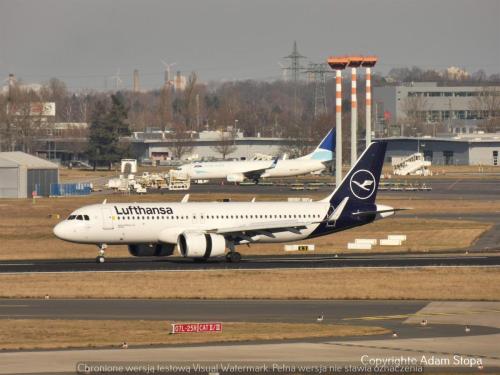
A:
[202,230]
[239,170]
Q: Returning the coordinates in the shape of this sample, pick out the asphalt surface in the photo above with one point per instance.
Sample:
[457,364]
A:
[388,314]
[449,188]
[316,261]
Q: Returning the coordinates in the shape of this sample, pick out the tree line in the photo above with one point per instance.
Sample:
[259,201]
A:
[257,108]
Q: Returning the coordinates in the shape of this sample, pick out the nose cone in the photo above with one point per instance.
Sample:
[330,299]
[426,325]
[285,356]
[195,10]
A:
[61,230]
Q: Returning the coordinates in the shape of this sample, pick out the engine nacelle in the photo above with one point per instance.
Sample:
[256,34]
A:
[235,177]
[152,250]
[201,245]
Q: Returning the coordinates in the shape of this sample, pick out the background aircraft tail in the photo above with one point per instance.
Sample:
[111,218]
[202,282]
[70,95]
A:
[361,182]
[324,151]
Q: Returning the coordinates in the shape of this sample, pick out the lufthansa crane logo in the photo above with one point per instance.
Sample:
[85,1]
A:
[362,184]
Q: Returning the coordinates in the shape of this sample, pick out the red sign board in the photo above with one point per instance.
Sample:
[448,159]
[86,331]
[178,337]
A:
[196,327]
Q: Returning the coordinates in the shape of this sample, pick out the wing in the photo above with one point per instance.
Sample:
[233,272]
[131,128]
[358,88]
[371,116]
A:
[263,228]
[256,173]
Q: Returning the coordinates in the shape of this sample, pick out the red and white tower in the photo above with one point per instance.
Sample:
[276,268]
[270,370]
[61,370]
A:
[338,64]
[369,62]
[354,62]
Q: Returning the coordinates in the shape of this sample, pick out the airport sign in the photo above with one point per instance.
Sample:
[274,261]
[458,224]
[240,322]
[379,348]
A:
[196,327]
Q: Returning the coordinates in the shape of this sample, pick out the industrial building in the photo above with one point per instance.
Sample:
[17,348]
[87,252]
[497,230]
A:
[22,174]
[470,149]
[459,107]
[157,146]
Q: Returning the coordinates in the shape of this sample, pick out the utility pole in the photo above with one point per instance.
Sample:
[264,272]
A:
[197,98]
[136,85]
[11,81]
[295,68]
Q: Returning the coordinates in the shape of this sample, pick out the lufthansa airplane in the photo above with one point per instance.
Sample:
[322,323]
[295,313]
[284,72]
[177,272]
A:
[202,230]
[238,171]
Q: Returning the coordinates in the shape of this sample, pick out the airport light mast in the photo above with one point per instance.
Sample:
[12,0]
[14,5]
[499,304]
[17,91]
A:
[338,64]
[368,63]
[354,63]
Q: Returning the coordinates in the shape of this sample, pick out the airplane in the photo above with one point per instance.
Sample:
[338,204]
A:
[204,230]
[239,170]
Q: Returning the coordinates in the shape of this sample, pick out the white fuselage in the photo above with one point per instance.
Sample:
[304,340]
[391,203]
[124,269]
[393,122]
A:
[222,169]
[136,223]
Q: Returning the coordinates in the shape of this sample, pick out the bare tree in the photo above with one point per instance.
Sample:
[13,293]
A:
[226,143]
[165,107]
[298,146]
[181,143]
[189,110]
[487,105]
[414,109]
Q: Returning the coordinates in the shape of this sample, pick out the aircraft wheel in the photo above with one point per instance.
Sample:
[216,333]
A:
[234,257]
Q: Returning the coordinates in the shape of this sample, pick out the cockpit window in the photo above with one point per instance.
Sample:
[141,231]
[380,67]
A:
[198,166]
[79,217]
[71,217]
[86,217]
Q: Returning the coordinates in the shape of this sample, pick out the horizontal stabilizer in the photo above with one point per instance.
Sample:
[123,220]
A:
[369,213]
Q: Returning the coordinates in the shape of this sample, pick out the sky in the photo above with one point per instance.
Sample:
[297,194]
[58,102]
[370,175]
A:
[85,42]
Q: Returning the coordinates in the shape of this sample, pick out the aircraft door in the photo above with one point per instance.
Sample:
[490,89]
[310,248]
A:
[203,217]
[107,218]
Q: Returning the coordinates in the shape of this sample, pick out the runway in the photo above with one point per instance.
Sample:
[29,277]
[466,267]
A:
[443,336]
[313,261]
[388,314]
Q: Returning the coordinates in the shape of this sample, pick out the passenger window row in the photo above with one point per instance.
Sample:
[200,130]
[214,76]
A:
[300,216]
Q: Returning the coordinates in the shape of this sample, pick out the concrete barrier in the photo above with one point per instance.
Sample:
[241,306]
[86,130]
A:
[359,246]
[401,237]
[371,241]
[390,242]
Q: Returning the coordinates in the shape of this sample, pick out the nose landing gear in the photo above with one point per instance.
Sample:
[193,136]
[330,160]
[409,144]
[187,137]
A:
[100,255]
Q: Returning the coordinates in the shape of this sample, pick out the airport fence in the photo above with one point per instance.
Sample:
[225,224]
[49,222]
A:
[60,190]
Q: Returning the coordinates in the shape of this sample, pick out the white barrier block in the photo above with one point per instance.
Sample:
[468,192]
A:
[371,241]
[359,246]
[401,237]
[390,242]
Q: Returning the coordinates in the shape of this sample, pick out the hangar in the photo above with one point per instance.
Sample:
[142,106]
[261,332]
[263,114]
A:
[466,149]
[21,174]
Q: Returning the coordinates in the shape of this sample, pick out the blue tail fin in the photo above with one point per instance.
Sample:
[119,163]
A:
[361,182]
[324,151]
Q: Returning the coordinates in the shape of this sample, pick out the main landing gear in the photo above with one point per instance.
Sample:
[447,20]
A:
[100,255]
[233,257]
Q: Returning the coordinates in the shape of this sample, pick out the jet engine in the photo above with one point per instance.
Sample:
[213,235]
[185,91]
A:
[151,250]
[201,245]
[235,177]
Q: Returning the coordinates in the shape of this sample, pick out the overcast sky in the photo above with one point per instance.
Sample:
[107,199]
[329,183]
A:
[83,42]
